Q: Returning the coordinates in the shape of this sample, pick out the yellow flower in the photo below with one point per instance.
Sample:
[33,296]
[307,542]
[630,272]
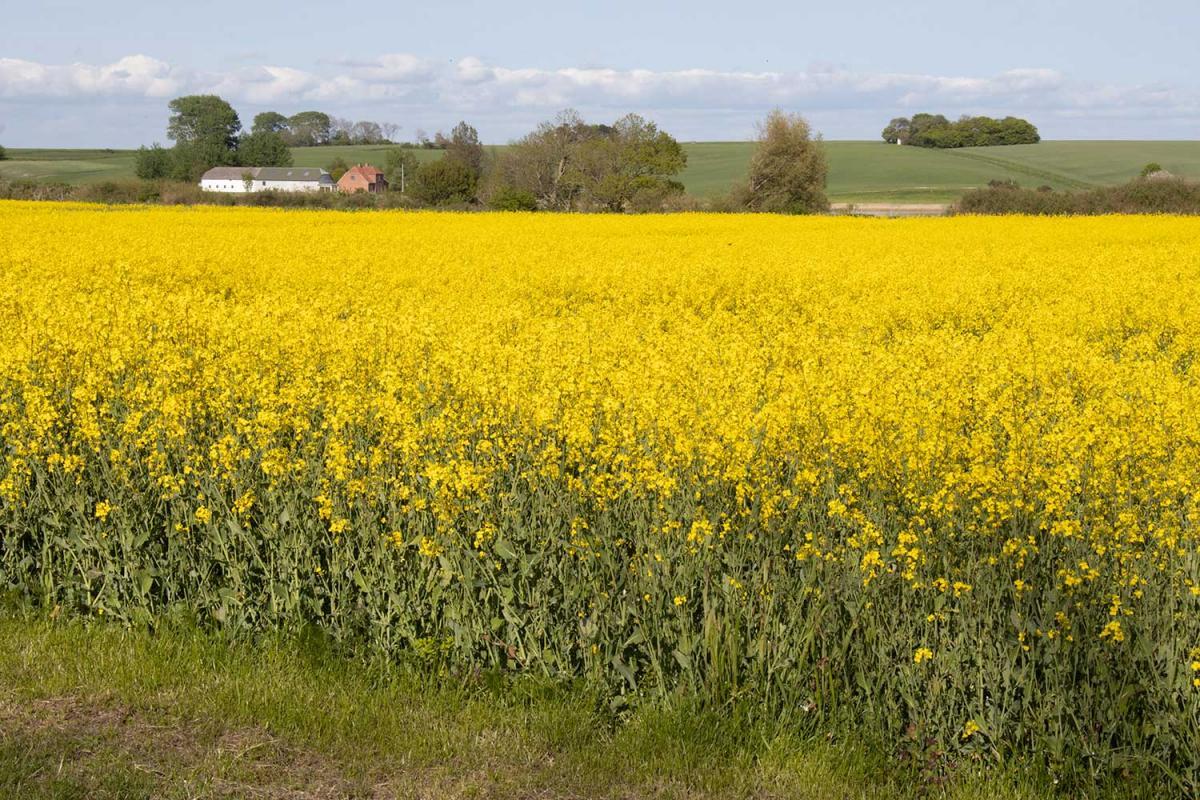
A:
[922,654]
[970,729]
[203,514]
[1113,631]
[680,599]
[103,509]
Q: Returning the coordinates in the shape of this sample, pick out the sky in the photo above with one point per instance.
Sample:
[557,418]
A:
[92,74]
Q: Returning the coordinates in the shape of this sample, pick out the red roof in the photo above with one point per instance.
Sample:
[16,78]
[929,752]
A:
[372,174]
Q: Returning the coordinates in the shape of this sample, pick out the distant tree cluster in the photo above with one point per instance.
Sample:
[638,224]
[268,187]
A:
[208,133]
[3,153]
[934,130]
[316,128]
[569,165]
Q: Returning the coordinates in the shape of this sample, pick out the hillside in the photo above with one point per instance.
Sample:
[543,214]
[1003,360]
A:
[858,171]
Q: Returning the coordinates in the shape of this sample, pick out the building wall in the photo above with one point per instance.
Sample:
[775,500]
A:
[261,186]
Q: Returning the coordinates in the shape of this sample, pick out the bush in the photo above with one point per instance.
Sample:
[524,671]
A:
[509,199]
[787,170]
[445,182]
[153,163]
[1166,196]
[1151,168]
[3,153]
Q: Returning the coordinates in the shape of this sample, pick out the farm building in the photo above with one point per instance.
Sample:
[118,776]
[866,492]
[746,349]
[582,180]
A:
[260,179]
[362,178]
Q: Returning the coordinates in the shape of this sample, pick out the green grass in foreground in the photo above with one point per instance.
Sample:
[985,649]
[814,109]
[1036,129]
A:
[103,712]
[861,172]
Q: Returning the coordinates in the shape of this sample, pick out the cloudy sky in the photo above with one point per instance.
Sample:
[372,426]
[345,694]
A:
[89,74]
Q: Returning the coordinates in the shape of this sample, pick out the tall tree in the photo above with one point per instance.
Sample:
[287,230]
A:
[309,129]
[203,118]
[264,149]
[366,132]
[400,168]
[270,122]
[464,147]
[788,169]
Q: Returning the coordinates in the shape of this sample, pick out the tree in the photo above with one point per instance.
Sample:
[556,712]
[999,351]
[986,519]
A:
[788,169]
[340,131]
[309,129]
[270,122]
[190,160]
[390,130]
[934,130]
[444,182]
[569,164]
[264,149]
[897,131]
[464,147]
[365,132]
[203,118]
[153,162]
[3,153]
[337,168]
[400,168]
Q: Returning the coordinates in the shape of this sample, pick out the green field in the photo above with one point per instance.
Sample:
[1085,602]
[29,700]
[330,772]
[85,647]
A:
[858,171]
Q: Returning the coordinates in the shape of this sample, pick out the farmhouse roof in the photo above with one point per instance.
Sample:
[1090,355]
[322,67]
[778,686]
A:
[368,171]
[266,174]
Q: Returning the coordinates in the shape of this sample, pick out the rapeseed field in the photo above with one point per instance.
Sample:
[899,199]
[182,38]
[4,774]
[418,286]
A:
[938,479]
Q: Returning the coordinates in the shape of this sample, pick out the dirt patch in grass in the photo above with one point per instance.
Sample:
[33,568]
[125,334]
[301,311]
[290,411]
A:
[91,737]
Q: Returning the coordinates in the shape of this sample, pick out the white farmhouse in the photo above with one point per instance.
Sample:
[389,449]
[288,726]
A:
[260,179]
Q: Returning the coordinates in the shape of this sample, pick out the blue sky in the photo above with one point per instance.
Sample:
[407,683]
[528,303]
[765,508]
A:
[100,74]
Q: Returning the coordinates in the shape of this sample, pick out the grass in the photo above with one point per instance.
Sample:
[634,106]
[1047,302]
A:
[860,172]
[105,712]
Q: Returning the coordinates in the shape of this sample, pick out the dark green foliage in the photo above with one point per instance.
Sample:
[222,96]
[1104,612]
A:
[1164,196]
[1151,168]
[3,153]
[507,198]
[337,168]
[264,149]
[203,118]
[190,160]
[153,162]
[445,182]
[934,130]
[270,122]
[400,167]
[309,129]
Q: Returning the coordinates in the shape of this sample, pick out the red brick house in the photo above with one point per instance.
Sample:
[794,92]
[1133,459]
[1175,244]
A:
[362,178]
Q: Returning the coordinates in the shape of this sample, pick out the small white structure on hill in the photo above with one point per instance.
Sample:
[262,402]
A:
[260,179]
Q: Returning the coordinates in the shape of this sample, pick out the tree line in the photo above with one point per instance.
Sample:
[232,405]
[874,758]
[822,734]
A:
[565,164]
[630,165]
[935,130]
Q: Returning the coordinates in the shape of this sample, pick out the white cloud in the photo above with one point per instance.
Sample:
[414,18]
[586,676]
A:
[416,90]
[131,75]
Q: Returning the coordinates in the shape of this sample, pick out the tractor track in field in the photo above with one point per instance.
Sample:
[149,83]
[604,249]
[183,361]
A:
[1024,169]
